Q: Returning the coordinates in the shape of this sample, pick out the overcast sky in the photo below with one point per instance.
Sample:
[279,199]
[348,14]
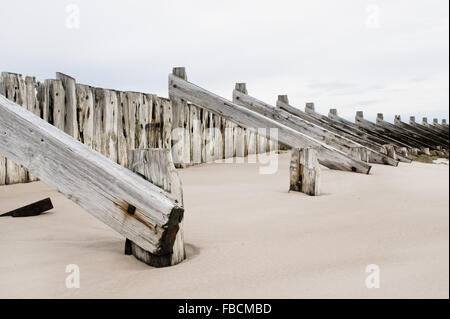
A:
[387,56]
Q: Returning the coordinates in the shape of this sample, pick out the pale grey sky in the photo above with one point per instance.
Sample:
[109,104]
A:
[389,56]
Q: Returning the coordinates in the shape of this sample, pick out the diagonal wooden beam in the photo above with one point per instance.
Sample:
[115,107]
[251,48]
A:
[121,199]
[328,156]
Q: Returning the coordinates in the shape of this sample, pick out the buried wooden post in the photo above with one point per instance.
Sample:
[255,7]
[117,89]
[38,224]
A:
[426,151]
[156,166]
[127,203]
[360,153]
[389,150]
[304,171]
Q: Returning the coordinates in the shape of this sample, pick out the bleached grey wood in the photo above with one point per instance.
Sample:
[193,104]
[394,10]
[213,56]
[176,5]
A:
[433,127]
[328,156]
[70,116]
[360,153]
[85,111]
[304,171]
[369,126]
[312,130]
[416,137]
[439,141]
[344,137]
[122,200]
[156,166]
[142,121]
[32,106]
[106,112]
[412,122]
[368,135]
[122,129]
[15,90]
[390,150]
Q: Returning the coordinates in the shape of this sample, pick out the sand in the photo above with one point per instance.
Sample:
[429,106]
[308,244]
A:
[247,237]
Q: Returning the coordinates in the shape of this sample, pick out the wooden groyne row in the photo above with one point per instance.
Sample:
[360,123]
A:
[115,122]
[114,153]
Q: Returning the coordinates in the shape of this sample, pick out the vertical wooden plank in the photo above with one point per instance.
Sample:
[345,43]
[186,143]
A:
[239,142]
[218,138]
[2,158]
[85,110]
[2,170]
[156,166]
[229,139]
[166,135]
[142,121]
[14,89]
[56,103]
[203,130]
[70,105]
[32,106]
[262,144]
[122,129]
[196,136]
[304,171]
[179,108]
[154,129]
[251,142]
[133,101]
[42,100]
[110,125]
[98,120]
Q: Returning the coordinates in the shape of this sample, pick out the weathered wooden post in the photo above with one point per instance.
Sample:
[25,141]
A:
[424,120]
[70,116]
[380,117]
[389,150]
[404,151]
[246,118]
[179,107]
[304,171]
[129,204]
[360,153]
[333,113]
[412,119]
[426,151]
[444,122]
[156,166]
[13,88]
[309,108]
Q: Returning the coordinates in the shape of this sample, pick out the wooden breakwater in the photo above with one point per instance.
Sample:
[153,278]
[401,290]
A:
[114,122]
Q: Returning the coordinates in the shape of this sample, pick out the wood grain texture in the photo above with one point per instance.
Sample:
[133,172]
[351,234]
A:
[85,111]
[103,188]
[373,136]
[32,106]
[156,166]
[440,141]
[14,89]
[323,129]
[315,131]
[328,156]
[417,137]
[71,113]
[305,171]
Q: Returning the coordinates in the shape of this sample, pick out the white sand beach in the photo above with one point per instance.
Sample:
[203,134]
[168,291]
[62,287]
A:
[247,237]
